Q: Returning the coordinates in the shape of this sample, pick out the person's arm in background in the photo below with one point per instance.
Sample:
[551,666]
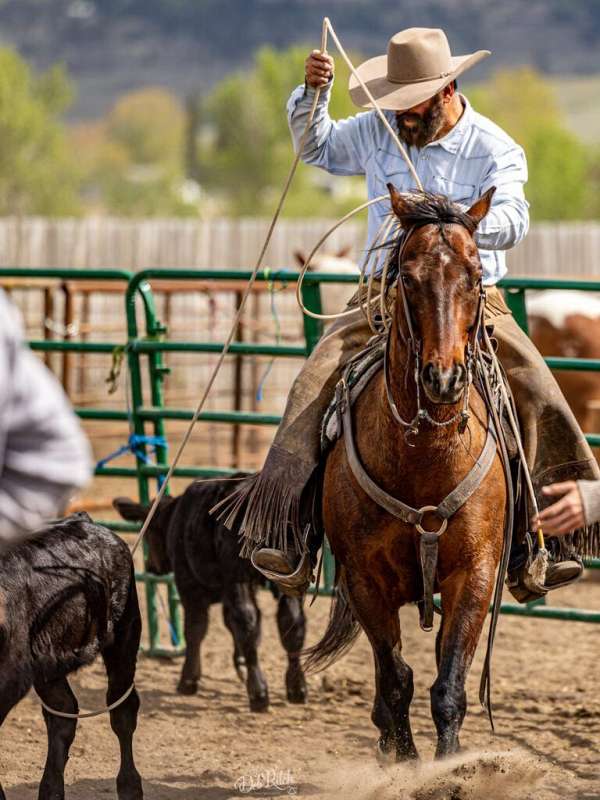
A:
[338,147]
[44,454]
[507,221]
[578,507]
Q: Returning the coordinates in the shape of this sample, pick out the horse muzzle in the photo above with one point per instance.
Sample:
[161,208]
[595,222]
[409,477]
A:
[444,386]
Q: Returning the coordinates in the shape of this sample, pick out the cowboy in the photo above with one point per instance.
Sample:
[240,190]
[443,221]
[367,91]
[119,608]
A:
[44,454]
[455,152]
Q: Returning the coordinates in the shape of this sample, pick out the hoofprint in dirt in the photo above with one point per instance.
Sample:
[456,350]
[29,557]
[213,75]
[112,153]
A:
[209,747]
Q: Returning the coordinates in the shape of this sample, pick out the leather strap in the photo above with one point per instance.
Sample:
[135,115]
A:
[428,551]
[394,507]
[471,482]
[413,516]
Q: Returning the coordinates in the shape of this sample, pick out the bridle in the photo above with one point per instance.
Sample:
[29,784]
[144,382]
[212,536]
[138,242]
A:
[414,345]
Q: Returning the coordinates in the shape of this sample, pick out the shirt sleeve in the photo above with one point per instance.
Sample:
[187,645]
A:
[339,147]
[590,497]
[44,454]
[507,221]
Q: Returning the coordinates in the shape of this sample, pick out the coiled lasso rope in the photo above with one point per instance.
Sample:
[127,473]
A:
[326,29]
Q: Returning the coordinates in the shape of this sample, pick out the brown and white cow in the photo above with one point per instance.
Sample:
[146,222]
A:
[567,323]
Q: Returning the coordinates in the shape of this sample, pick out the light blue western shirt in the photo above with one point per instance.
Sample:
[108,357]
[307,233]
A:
[472,157]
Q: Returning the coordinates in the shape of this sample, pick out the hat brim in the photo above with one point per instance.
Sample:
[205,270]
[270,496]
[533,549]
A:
[400,97]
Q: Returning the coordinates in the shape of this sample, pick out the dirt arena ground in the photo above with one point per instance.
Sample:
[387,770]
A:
[211,748]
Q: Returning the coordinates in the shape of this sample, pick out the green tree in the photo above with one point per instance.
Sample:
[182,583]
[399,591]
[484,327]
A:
[525,105]
[134,162]
[149,124]
[247,150]
[37,172]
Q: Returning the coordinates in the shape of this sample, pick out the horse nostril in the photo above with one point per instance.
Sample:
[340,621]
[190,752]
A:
[431,378]
[458,377]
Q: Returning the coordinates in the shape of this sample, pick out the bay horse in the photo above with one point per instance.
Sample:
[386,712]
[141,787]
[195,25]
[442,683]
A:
[378,556]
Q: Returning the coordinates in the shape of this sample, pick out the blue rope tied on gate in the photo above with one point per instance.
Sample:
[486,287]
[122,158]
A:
[135,445]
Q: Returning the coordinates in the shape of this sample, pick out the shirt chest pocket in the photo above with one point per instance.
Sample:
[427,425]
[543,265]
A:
[390,168]
[457,191]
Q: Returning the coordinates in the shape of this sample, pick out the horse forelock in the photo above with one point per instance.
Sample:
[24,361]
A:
[421,209]
[426,208]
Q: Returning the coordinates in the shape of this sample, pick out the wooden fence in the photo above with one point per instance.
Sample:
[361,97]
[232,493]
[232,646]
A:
[569,249]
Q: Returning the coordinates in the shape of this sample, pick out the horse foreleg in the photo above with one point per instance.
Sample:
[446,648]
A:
[393,677]
[465,601]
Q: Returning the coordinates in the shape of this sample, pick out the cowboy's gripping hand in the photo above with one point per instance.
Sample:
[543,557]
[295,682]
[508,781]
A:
[565,515]
[318,69]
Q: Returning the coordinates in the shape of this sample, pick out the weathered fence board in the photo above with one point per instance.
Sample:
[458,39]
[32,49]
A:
[570,249]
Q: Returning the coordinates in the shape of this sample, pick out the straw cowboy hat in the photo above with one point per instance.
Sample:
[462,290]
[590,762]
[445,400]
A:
[418,64]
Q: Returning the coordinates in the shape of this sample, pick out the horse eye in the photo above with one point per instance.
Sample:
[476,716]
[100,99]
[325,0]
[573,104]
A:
[407,280]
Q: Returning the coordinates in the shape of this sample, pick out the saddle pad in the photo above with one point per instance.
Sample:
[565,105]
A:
[357,375]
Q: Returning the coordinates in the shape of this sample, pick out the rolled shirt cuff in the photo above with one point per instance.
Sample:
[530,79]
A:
[590,497]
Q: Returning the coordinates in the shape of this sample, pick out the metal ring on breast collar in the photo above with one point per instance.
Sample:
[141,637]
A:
[419,527]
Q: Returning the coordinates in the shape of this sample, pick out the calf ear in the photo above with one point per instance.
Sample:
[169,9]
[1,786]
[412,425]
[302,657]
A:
[481,207]
[129,509]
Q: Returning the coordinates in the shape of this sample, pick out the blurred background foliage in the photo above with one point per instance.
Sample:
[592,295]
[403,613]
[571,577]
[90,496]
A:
[228,152]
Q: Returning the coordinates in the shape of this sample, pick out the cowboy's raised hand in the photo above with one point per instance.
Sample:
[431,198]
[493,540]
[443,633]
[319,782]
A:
[318,69]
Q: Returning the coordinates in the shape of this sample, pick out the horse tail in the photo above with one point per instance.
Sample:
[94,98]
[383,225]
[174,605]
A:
[342,631]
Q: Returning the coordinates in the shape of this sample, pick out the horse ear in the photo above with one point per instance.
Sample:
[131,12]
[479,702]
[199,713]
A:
[300,257]
[399,205]
[481,207]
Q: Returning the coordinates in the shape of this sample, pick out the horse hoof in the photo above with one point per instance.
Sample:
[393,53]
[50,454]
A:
[384,753]
[130,788]
[259,704]
[187,686]
[298,695]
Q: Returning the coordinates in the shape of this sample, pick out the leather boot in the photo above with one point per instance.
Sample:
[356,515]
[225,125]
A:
[291,575]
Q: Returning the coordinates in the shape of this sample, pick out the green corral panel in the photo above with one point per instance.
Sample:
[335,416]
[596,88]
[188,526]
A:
[143,356]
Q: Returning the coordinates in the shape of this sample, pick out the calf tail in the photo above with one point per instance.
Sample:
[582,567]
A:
[342,631]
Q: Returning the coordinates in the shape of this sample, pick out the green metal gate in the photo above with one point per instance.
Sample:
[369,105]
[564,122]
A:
[144,349]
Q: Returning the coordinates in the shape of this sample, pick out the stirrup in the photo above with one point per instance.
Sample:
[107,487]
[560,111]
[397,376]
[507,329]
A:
[538,576]
[293,584]
[527,582]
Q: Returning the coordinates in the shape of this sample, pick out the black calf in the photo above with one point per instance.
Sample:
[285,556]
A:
[66,596]
[204,556]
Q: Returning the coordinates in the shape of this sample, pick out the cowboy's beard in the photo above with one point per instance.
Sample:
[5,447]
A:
[421,130]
